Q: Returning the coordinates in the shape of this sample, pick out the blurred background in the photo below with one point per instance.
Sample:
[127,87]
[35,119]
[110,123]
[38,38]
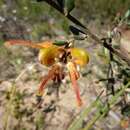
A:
[21,73]
[31,20]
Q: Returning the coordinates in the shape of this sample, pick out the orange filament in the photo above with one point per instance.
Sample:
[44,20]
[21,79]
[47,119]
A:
[73,77]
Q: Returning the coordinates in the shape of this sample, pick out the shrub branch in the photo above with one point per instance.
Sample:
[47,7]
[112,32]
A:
[83,28]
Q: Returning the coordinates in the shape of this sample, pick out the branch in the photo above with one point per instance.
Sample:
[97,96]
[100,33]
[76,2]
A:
[120,54]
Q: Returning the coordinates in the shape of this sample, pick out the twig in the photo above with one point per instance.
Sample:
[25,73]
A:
[88,32]
[110,83]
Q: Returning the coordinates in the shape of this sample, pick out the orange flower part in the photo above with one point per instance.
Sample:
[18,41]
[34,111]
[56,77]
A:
[45,44]
[74,75]
[43,85]
[51,74]
[40,45]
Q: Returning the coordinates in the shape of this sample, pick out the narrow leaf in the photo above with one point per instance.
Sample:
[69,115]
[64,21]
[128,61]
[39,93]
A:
[77,123]
[60,43]
[68,6]
[127,14]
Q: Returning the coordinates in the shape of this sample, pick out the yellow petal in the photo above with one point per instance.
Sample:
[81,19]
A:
[47,55]
[80,56]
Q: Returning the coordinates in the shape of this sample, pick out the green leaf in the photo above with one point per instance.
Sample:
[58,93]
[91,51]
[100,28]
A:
[127,14]
[77,123]
[105,108]
[60,43]
[68,6]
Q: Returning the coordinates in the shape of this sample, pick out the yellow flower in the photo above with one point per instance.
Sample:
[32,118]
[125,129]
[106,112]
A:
[50,55]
